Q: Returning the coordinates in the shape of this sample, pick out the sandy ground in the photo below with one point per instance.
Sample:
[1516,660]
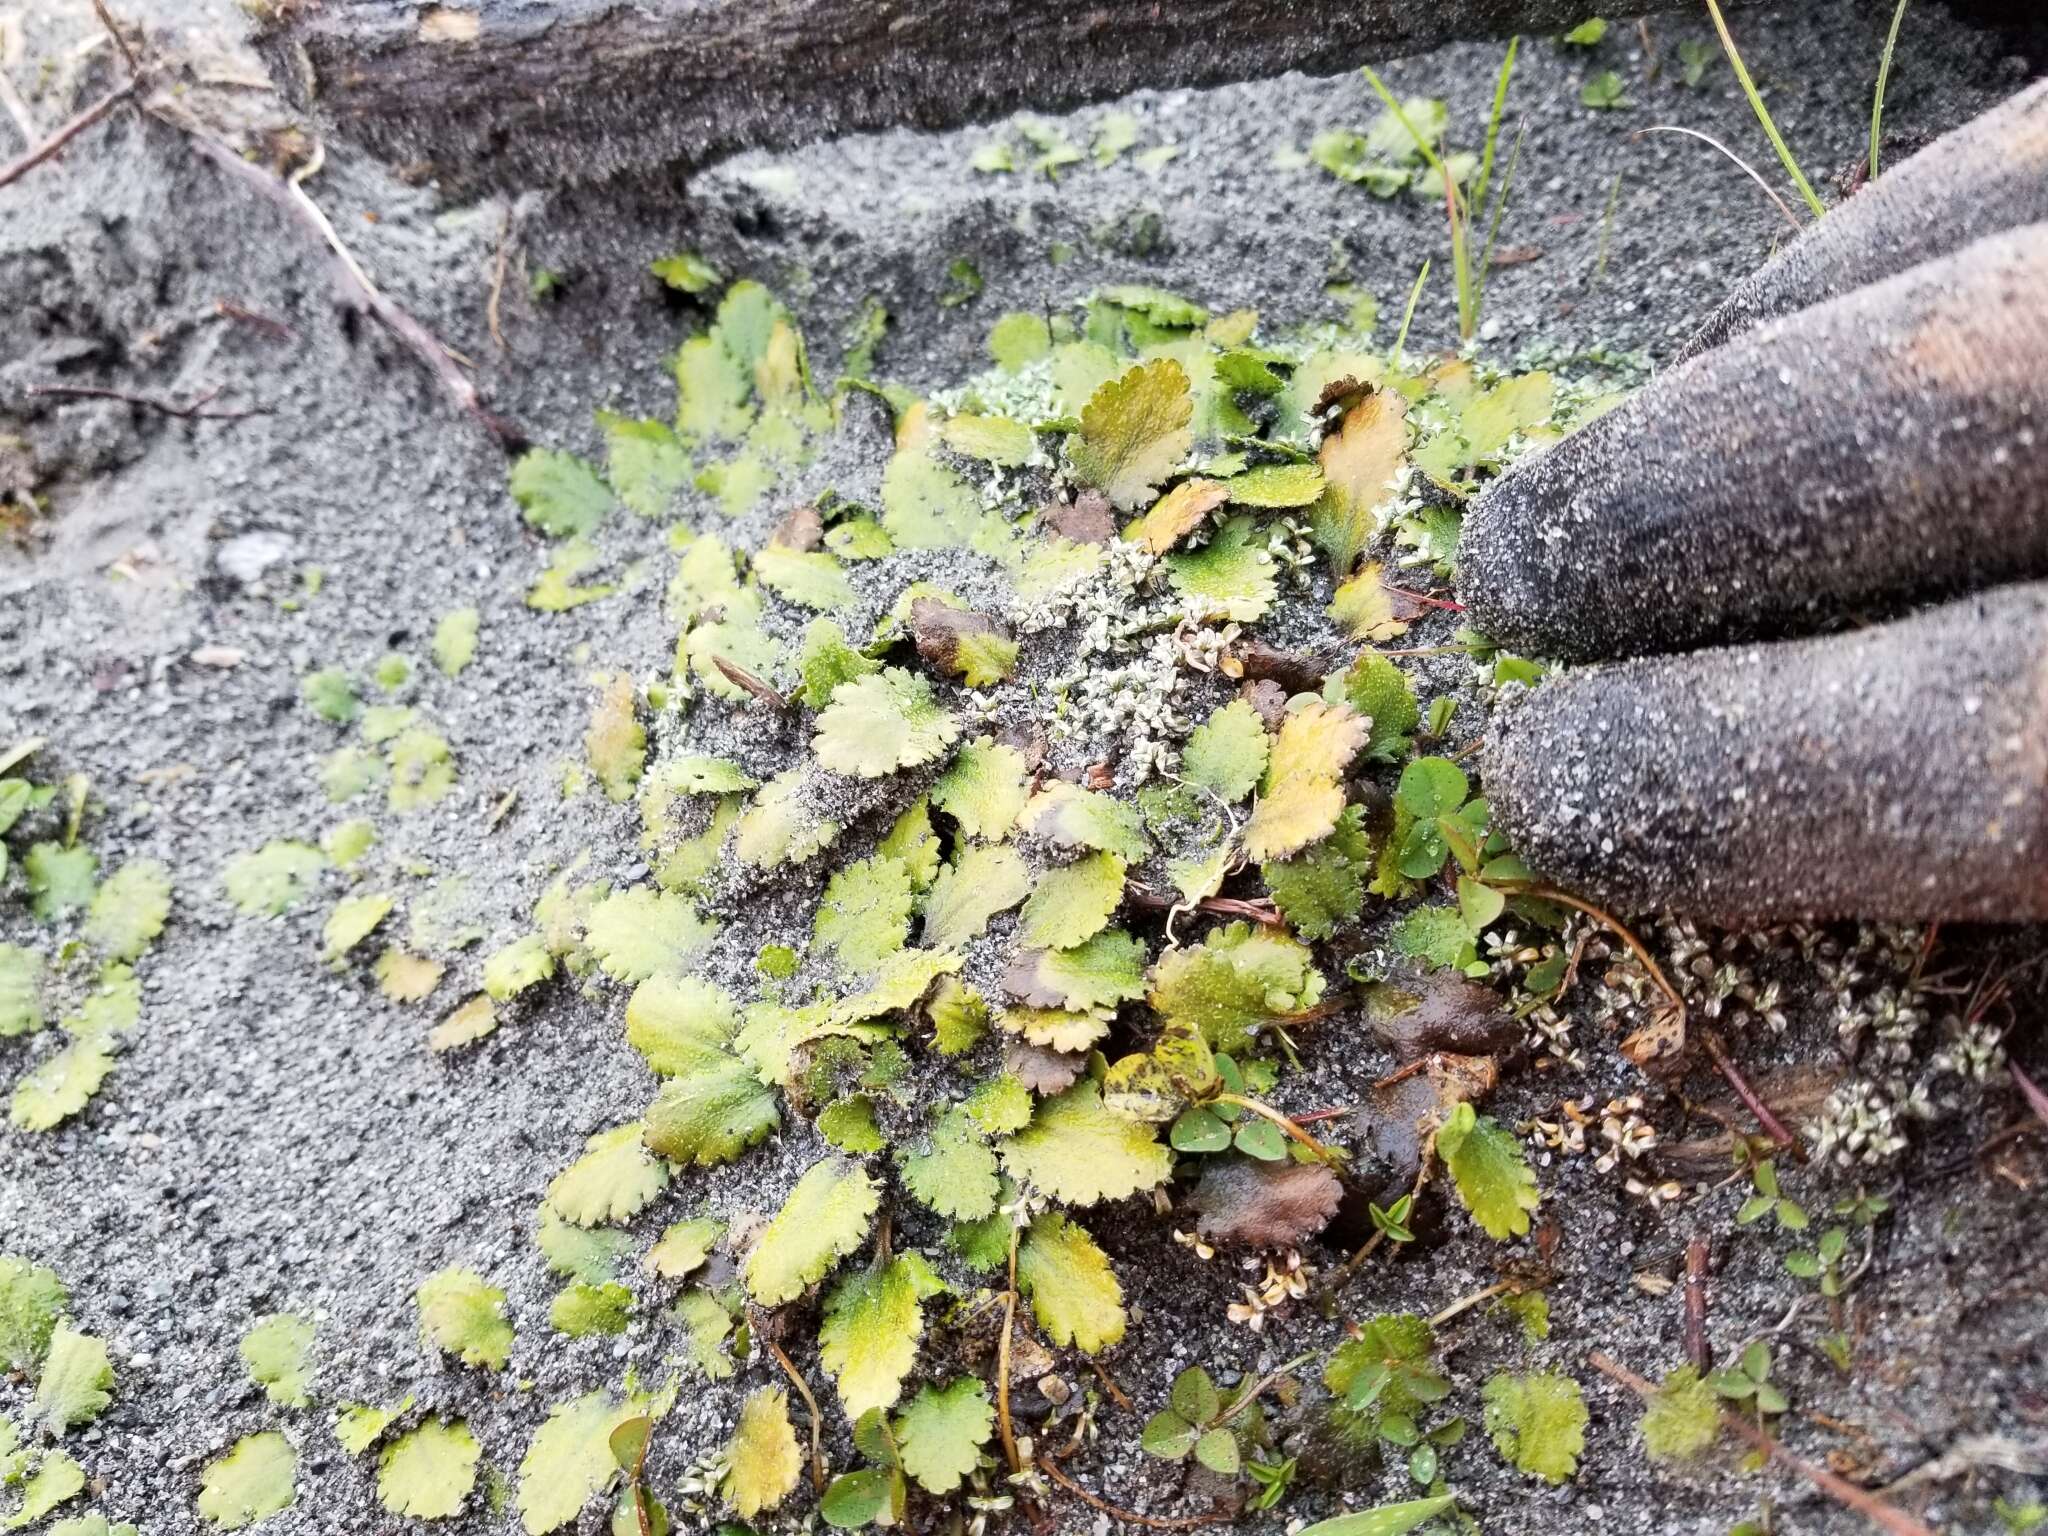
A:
[278,1137]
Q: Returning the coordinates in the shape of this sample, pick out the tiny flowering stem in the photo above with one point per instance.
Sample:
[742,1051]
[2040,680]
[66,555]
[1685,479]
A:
[1268,1112]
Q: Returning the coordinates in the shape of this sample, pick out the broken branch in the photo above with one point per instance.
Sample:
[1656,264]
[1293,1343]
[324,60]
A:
[1773,1126]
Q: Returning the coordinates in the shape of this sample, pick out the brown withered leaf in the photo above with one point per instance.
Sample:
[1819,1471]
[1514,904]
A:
[801,529]
[1343,391]
[1403,1111]
[1268,699]
[1659,1046]
[1439,1012]
[938,629]
[1041,1070]
[1296,671]
[1264,1205]
[1085,520]
[740,677]
[1795,1095]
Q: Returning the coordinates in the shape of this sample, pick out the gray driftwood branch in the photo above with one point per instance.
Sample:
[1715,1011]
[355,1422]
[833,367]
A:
[503,92]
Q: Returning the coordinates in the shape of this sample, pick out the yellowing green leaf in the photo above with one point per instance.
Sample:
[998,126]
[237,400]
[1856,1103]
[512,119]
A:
[1227,752]
[461,1314]
[251,1482]
[940,1433]
[983,789]
[1303,795]
[455,640]
[273,879]
[952,1170]
[825,1218]
[1492,1176]
[560,494]
[873,1321]
[676,1021]
[613,1181]
[1233,576]
[1068,816]
[684,1247]
[59,879]
[128,911]
[1093,976]
[645,461]
[405,977]
[980,882]
[275,1351]
[864,914]
[1276,485]
[1538,1422]
[1080,1151]
[1072,902]
[77,1381]
[995,439]
[525,962]
[640,932]
[615,743]
[32,1299]
[353,920]
[1073,1292]
[569,1460]
[358,1425]
[925,505]
[1135,430]
[583,1310]
[876,725]
[60,1086]
[763,1461]
[429,1471]
[21,991]
[809,578]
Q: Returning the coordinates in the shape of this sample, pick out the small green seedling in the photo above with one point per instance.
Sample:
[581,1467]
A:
[1767,1201]
[1749,1381]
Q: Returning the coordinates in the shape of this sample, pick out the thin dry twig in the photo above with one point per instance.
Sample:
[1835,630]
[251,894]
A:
[1747,169]
[1371,1245]
[803,1390]
[1886,1517]
[15,169]
[1263,913]
[192,410]
[1102,1506]
[277,330]
[1765,1117]
[1697,1351]
[1465,1304]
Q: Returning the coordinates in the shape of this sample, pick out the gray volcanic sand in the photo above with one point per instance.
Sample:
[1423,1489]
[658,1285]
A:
[278,1137]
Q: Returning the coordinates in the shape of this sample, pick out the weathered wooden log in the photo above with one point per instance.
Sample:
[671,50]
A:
[1900,772]
[534,92]
[1989,175]
[1884,447]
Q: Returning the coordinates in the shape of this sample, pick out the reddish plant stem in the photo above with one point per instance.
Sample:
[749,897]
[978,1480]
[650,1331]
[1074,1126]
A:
[1223,906]
[1698,1353]
[1773,1126]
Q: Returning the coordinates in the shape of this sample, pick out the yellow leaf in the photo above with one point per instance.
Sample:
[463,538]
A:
[1359,458]
[1176,514]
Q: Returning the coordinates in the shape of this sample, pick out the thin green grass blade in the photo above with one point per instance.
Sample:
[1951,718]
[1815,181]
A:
[1500,104]
[1763,113]
[1461,266]
[1884,74]
[1408,314]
